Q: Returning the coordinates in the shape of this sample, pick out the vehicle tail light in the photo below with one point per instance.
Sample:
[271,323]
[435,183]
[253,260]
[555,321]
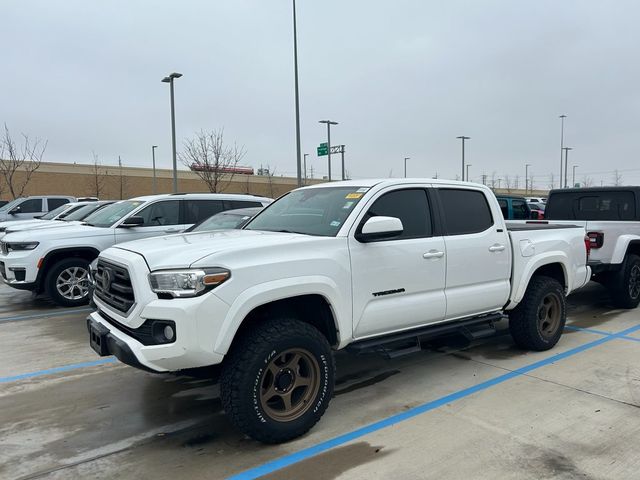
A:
[596,239]
[587,246]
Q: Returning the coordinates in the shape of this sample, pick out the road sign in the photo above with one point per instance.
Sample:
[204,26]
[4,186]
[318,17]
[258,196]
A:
[323,150]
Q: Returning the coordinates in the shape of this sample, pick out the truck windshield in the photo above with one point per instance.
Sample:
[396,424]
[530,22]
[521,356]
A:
[55,212]
[107,216]
[310,211]
[83,212]
[11,204]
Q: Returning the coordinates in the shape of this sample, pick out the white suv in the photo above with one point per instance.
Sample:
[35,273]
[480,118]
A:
[56,260]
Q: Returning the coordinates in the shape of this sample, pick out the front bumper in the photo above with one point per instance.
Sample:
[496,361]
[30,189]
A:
[19,269]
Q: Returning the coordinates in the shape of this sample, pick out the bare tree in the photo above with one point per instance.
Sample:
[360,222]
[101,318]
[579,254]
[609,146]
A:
[516,182]
[98,177]
[552,180]
[493,180]
[587,181]
[211,159]
[507,183]
[25,157]
[269,174]
[617,178]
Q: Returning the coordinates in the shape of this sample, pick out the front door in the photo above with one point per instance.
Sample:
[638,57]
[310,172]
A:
[160,218]
[398,283]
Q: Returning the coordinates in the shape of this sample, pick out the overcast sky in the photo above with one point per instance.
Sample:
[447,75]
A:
[403,78]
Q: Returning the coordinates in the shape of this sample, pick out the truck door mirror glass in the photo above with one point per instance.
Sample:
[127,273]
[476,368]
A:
[133,222]
[380,228]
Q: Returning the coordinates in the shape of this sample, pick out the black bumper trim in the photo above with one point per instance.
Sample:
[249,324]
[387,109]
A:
[107,344]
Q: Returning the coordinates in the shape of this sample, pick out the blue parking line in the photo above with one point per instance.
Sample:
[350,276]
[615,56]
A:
[64,368]
[55,313]
[601,332]
[306,453]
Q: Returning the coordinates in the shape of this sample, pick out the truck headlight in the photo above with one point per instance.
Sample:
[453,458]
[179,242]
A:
[17,246]
[187,283]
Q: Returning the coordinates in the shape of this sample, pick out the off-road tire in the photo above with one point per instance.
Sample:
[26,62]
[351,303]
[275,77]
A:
[624,287]
[247,366]
[525,321]
[51,279]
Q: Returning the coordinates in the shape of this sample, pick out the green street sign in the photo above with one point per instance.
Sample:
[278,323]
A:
[323,150]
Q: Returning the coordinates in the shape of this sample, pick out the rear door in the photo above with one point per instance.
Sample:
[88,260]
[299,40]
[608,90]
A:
[53,203]
[478,253]
[398,283]
[160,218]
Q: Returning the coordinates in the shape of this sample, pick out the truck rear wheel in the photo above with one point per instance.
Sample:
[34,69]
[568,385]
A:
[278,379]
[67,282]
[538,321]
[625,286]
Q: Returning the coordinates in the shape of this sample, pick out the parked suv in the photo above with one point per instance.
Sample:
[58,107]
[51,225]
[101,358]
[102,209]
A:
[56,261]
[516,208]
[26,208]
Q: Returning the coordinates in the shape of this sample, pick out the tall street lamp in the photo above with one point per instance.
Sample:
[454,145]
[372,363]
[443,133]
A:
[562,117]
[463,138]
[153,156]
[305,167]
[573,183]
[295,69]
[566,160]
[526,178]
[170,80]
[468,165]
[405,166]
[329,123]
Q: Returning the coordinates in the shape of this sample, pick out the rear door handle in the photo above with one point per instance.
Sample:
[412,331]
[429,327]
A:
[496,248]
[432,254]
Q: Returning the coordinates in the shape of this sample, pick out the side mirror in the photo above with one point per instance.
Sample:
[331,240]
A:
[380,228]
[133,222]
[15,210]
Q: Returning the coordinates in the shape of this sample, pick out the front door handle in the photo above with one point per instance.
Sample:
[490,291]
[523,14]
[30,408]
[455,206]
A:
[496,248]
[173,230]
[432,254]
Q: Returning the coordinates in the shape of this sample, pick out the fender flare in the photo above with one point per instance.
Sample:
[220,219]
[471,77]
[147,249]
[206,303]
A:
[622,246]
[548,258]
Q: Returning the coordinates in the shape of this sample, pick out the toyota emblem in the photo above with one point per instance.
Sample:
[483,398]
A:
[105,280]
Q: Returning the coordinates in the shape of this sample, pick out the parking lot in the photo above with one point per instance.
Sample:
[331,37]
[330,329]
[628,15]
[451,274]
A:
[485,410]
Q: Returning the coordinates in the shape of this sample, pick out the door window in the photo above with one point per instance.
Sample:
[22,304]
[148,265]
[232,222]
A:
[160,214]
[235,204]
[465,211]
[520,210]
[504,207]
[56,202]
[33,205]
[198,210]
[410,206]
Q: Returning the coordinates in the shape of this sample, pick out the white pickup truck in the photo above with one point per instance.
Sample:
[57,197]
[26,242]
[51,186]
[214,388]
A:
[372,265]
[611,218]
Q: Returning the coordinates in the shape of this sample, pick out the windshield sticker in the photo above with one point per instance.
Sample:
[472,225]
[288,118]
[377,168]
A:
[335,223]
[348,205]
[353,196]
[362,190]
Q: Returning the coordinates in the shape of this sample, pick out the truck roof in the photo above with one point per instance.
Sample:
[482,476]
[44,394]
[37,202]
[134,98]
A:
[371,182]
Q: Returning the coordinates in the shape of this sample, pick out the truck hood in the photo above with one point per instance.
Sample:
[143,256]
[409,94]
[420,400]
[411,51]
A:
[41,225]
[75,232]
[193,249]
[20,223]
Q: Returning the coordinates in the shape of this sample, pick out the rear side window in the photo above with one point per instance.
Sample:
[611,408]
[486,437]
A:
[198,210]
[56,202]
[410,206]
[33,205]
[504,208]
[235,204]
[465,211]
[614,205]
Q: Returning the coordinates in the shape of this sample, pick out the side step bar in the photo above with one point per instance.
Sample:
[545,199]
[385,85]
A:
[407,342]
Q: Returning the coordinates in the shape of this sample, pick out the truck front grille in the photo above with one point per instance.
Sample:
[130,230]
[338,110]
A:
[113,286]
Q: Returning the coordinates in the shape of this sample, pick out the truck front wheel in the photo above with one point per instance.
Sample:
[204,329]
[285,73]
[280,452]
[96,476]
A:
[277,380]
[67,282]
[538,321]
[625,286]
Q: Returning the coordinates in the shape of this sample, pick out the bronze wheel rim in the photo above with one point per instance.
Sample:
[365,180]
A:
[289,384]
[549,315]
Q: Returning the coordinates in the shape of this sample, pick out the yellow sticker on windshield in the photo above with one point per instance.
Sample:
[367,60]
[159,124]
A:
[353,195]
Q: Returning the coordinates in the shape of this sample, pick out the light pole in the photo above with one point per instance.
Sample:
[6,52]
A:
[566,160]
[468,165]
[405,166]
[573,178]
[342,161]
[153,156]
[526,178]
[295,69]
[463,138]
[329,123]
[170,80]
[305,167]
[562,117]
